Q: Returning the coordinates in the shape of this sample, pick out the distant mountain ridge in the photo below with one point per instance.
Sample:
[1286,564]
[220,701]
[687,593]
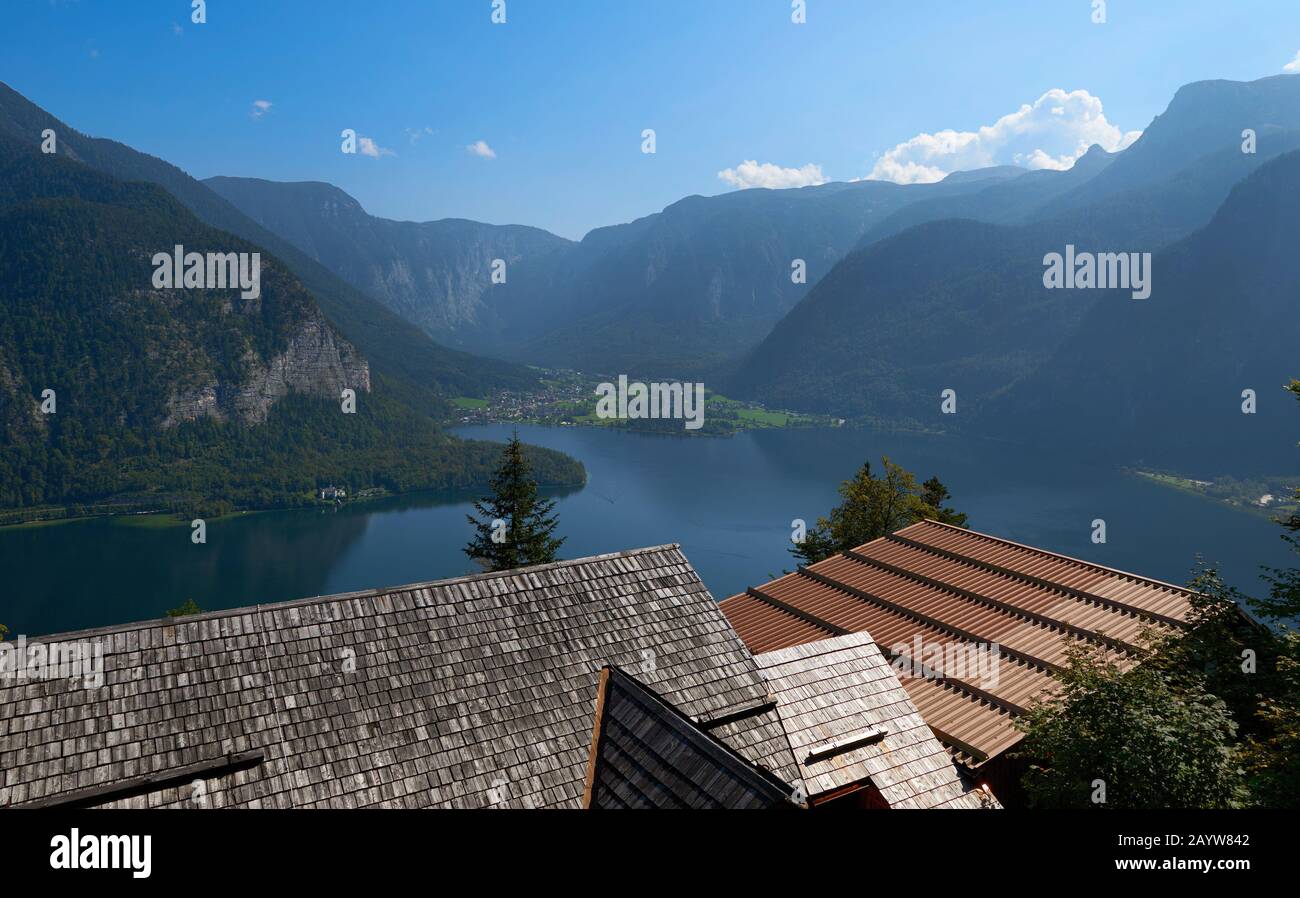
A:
[690,290]
[199,353]
[416,367]
[1162,380]
[910,289]
[1164,186]
[118,391]
[929,302]
[1203,117]
[435,274]
[675,292]
[990,173]
[996,200]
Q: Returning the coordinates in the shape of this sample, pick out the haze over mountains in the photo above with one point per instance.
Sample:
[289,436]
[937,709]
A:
[415,366]
[952,303]
[434,274]
[677,291]
[910,289]
[1163,379]
[116,390]
[223,356]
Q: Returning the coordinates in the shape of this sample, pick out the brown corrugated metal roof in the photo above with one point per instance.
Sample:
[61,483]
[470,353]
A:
[937,587]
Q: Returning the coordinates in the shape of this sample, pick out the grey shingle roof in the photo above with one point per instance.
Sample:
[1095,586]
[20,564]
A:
[471,692]
[647,754]
[836,697]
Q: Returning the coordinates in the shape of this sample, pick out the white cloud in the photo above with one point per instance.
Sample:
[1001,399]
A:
[414,134]
[750,174]
[481,149]
[1052,132]
[1293,66]
[368,147]
[260,108]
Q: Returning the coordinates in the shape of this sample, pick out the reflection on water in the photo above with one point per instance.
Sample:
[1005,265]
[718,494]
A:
[729,502]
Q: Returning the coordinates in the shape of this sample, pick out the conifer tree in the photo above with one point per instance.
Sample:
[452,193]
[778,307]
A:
[514,527]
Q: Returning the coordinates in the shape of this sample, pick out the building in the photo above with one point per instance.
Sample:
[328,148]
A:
[855,735]
[645,753]
[975,626]
[479,691]
[852,736]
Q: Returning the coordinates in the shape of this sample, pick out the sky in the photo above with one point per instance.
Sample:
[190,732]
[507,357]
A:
[539,120]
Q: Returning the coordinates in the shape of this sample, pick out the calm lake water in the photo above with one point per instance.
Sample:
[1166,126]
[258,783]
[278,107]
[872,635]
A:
[729,502]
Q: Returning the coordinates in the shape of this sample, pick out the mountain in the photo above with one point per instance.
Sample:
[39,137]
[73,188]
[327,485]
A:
[945,305]
[196,399]
[1166,185]
[199,353]
[435,274]
[674,292]
[419,369]
[686,289]
[1203,118]
[997,201]
[1174,178]
[1160,380]
[927,305]
[694,289]
[990,173]
[1156,215]
[690,290]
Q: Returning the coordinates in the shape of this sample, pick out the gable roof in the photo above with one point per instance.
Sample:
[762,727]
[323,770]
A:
[647,754]
[849,720]
[471,692]
[932,584]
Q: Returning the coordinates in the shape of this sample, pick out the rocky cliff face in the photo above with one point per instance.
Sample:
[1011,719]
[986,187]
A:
[126,349]
[439,274]
[19,414]
[317,362]
[436,274]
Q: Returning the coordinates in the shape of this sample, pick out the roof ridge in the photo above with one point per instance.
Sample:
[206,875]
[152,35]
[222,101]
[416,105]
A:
[929,620]
[970,560]
[1057,555]
[258,608]
[845,640]
[959,684]
[707,741]
[1002,606]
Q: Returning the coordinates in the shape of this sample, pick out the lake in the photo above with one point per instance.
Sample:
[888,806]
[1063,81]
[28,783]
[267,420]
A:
[728,501]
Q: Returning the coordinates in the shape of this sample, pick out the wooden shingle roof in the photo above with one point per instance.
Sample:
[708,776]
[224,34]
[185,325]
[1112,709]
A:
[647,754]
[849,720]
[470,692]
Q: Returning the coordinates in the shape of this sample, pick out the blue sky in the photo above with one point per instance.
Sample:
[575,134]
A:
[562,91]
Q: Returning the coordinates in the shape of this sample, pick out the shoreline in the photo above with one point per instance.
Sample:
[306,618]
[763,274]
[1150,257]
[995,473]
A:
[146,517]
[1199,488]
